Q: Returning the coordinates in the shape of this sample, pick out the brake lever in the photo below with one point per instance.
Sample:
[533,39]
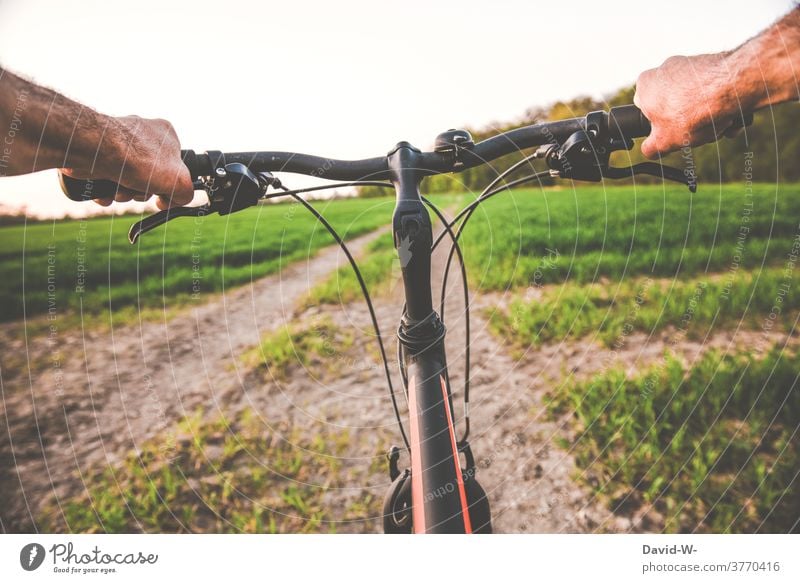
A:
[654,169]
[686,177]
[156,220]
[232,187]
[585,156]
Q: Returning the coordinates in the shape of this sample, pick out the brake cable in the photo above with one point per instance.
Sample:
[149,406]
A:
[295,195]
[241,188]
[400,351]
[254,187]
[286,192]
[489,191]
[492,189]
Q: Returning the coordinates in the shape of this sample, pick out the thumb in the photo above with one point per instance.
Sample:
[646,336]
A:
[649,146]
[180,192]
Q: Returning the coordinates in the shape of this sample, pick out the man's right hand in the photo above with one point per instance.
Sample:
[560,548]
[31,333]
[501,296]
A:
[689,101]
[695,100]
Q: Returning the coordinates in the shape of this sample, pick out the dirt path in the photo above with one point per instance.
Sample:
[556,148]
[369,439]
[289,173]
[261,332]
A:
[118,388]
[112,390]
[531,480]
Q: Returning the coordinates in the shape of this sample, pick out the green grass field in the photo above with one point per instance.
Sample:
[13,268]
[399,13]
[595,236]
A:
[578,236]
[713,448]
[528,237]
[607,263]
[694,306]
[378,264]
[89,265]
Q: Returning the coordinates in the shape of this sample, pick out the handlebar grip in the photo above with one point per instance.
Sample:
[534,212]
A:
[627,122]
[81,190]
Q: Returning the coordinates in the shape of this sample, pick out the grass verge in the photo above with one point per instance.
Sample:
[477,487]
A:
[314,342]
[89,267]
[694,307]
[713,449]
[535,237]
[380,268]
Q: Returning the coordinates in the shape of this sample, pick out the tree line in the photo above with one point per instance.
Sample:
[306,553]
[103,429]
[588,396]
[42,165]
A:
[766,151]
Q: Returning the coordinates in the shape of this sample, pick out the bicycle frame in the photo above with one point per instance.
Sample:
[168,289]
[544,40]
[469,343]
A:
[438,495]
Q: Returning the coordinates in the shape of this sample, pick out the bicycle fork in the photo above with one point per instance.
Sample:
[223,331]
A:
[436,495]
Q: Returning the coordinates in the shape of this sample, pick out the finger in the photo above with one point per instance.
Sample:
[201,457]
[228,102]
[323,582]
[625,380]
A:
[125,194]
[165,202]
[705,135]
[72,173]
[176,199]
[657,144]
[104,201]
[183,191]
[178,189]
[180,198]
[649,148]
[637,101]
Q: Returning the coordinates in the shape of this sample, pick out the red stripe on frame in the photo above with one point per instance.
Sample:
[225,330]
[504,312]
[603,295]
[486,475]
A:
[460,479]
[417,494]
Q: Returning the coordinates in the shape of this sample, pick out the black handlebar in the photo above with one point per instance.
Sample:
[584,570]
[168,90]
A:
[625,123]
[82,190]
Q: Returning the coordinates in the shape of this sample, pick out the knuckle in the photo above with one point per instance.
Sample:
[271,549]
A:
[165,125]
[644,77]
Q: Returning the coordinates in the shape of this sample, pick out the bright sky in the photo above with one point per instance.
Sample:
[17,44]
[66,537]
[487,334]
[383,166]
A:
[345,79]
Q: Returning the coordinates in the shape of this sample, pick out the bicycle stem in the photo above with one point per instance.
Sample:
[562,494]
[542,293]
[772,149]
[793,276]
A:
[412,232]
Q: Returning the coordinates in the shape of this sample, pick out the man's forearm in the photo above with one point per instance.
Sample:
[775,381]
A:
[765,68]
[43,129]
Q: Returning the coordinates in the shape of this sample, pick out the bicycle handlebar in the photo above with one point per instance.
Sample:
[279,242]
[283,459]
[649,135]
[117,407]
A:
[624,123]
